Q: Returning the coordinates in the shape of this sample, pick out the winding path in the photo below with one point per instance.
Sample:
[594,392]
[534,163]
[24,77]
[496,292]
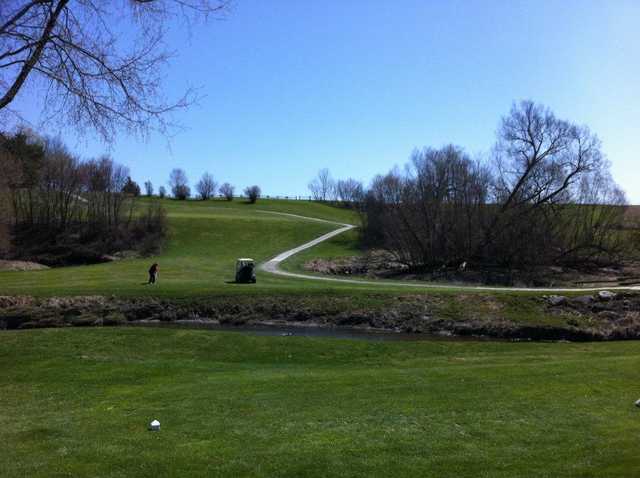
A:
[273,266]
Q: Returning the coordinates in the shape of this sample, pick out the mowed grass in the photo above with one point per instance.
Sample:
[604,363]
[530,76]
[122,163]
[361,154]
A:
[76,402]
[206,237]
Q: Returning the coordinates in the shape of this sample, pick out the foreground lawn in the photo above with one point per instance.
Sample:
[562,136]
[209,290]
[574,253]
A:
[76,403]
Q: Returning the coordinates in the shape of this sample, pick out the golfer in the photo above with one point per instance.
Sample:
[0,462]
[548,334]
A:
[153,273]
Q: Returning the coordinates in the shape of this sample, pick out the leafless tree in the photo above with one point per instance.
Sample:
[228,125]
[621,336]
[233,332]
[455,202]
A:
[148,188]
[92,76]
[11,175]
[541,165]
[60,187]
[162,192]
[252,193]
[131,187]
[227,191]
[104,182]
[432,214]
[546,198]
[349,191]
[179,184]
[322,187]
[206,187]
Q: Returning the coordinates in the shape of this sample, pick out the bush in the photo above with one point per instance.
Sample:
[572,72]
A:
[252,193]
[182,192]
[227,191]
[206,187]
[179,184]
[131,187]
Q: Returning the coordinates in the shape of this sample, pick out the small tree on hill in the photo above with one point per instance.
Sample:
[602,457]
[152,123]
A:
[148,188]
[131,187]
[179,184]
[227,191]
[206,187]
[322,186]
[162,192]
[252,193]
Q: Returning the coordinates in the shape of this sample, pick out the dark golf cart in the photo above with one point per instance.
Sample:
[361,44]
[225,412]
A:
[245,271]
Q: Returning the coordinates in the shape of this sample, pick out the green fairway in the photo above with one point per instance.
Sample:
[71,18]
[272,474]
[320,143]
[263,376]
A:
[205,239]
[77,403]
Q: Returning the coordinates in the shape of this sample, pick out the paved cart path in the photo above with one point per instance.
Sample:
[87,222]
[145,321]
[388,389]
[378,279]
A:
[273,266]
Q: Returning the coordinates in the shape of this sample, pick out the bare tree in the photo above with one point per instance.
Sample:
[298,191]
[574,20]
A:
[104,182]
[546,199]
[93,77]
[227,191]
[148,188]
[206,187]
[322,186]
[349,191]
[540,157]
[131,187]
[252,193]
[540,163]
[162,192]
[179,184]
[432,215]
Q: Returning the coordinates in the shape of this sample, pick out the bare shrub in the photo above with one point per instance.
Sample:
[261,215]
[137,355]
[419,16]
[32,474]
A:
[252,193]
[148,188]
[227,191]
[545,197]
[349,192]
[206,187]
[322,187]
[179,184]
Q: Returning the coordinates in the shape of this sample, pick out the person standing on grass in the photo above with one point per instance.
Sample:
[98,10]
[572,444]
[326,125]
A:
[153,273]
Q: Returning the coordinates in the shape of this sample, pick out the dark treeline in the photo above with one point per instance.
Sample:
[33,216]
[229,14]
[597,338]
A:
[58,209]
[544,197]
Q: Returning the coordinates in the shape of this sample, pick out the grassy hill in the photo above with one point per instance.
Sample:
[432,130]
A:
[77,402]
[205,239]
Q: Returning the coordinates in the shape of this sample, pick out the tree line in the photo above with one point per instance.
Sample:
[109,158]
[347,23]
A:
[56,205]
[206,188]
[543,196]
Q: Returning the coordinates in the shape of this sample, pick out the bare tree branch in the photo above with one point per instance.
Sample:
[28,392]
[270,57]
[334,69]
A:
[94,80]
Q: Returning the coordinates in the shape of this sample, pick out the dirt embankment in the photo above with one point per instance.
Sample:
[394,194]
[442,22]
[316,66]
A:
[381,265]
[21,266]
[590,317]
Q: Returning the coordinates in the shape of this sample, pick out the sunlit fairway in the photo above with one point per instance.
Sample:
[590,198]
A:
[205,239]
[76,402]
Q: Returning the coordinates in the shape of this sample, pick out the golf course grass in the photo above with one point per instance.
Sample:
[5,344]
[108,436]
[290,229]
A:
[199,260]
[77,402]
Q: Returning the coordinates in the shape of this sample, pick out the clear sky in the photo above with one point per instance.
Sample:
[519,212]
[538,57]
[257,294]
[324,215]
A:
[354,85]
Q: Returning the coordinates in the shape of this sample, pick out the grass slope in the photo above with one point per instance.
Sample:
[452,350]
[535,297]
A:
[205,239]
[77,402]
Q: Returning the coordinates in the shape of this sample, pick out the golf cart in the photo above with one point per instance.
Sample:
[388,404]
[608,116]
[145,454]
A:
[245,271]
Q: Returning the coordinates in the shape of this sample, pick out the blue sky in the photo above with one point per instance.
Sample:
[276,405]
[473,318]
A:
[290,87]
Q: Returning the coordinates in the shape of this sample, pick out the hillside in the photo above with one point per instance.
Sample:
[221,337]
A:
[205,239]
